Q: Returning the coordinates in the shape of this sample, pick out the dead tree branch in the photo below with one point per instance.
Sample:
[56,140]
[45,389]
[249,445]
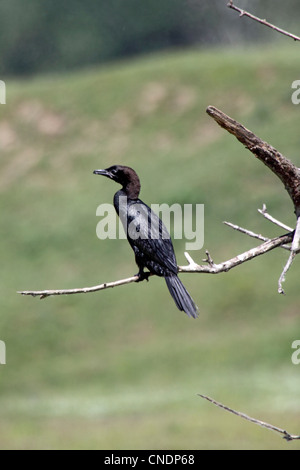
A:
[288,173]
[269,217]
[209,268]
[212,268]
[286,435]
[258,236]
[280,165]
[42,294]
[262,21]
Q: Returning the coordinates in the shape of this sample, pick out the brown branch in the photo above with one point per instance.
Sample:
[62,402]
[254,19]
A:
[286,435]
[261,21]
[288,173]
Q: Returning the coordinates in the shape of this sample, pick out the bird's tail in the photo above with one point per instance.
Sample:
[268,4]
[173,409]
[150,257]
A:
[182,298]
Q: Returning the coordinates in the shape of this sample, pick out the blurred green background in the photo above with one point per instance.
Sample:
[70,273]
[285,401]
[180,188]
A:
[121,369]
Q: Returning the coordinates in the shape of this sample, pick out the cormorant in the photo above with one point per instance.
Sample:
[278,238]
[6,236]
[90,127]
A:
[148,236]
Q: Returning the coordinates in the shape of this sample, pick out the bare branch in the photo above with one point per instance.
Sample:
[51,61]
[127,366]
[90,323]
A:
[253,234]
[296,239]
[261,21]
[267,216]
[286,435]
[288,173]
[213,268]
[210,268]
[246,231]
[85,290]
[294,251]
[285,270]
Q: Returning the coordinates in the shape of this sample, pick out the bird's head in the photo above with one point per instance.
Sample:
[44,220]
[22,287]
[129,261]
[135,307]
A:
[125,176]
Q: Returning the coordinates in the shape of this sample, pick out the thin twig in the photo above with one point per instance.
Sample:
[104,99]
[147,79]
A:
[285,270]
[85,290]
[294,251]
[253,234]
[269,217]
[246,231]
[286,435]
[262,21]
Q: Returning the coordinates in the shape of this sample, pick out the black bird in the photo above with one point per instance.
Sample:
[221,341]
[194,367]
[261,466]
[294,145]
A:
[147,235]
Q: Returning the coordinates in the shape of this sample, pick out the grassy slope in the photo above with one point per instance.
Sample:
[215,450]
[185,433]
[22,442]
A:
[83,370]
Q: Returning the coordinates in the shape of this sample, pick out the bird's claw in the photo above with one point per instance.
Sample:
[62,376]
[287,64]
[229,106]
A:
[142,276]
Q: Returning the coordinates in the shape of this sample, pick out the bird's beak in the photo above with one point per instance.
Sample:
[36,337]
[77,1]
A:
[103,173]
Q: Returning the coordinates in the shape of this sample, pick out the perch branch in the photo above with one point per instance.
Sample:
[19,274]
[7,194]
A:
[85,290]
[193,267]
[261,21]
[212,268]
[286,435]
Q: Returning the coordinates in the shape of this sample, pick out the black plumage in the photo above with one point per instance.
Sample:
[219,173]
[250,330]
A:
[148,236]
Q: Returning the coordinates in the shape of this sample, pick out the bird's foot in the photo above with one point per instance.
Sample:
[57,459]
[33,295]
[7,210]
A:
[142,276]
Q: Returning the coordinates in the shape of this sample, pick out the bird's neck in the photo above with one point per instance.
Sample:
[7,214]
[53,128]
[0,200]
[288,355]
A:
[122,199]
[132,188]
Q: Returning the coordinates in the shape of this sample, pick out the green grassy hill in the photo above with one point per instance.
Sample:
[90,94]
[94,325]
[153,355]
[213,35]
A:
[121,368]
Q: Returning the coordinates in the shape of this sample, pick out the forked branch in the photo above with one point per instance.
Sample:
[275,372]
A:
[209,268]
[212,268]
[280,165]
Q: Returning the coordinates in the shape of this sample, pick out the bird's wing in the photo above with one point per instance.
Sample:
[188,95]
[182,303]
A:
[148,235]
